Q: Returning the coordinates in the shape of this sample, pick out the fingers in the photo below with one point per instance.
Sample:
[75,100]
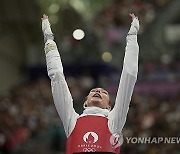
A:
[44,17]
[133,15]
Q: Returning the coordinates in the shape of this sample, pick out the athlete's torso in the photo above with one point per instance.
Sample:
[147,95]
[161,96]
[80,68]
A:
[91,134]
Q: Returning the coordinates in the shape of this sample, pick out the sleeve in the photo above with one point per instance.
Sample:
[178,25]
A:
[117,116]
[60,91]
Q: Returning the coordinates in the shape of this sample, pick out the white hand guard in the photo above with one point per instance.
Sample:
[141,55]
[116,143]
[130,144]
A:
[46,28]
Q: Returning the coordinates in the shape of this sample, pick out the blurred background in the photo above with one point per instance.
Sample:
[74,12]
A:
[91,37]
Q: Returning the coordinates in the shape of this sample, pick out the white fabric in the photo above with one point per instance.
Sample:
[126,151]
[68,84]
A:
[95,111]
[46,27]
[134,27]
[63,99]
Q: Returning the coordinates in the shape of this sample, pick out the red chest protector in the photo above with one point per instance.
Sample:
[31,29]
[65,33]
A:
[91,134]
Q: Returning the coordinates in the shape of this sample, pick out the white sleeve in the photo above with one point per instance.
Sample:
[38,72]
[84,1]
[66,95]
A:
[60,91]
[117,116]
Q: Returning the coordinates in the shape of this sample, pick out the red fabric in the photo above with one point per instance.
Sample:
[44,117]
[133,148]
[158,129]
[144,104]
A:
[91,134]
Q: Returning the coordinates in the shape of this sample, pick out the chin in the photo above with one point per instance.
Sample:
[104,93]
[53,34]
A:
[96,102]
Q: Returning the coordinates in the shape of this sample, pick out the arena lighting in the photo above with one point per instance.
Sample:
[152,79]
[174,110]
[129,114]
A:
[54,8]
[166,58]
[107,57]
[78,34]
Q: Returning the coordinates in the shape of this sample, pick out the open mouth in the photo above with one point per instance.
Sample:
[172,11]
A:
[97,95]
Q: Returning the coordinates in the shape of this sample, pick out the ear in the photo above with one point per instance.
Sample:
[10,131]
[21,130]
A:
[109,108]
[85,104]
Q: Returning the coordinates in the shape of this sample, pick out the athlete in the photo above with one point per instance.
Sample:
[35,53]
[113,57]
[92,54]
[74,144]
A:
[98,129]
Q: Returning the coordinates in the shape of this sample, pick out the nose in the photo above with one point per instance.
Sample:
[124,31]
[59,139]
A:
[98,91]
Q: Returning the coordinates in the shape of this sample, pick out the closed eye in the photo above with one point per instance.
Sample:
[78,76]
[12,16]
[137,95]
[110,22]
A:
[105,92]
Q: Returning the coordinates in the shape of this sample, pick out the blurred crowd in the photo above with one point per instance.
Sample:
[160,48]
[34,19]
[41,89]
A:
[29,122]
[25,112]
[114,20]
[107,31]
[153,116]
[153,71]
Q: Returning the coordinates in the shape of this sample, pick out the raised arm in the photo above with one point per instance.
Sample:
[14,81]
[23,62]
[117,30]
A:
[60,91]
[117,117]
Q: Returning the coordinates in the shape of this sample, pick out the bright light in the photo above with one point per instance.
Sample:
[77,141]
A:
[78,5]
[166,58]
[78,34]
[54,8]
[106,56]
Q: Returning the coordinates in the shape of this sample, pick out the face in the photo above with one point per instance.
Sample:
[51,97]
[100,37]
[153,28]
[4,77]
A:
[98,97]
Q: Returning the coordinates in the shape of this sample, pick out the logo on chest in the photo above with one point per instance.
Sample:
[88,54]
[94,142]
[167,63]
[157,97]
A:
[90,137]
